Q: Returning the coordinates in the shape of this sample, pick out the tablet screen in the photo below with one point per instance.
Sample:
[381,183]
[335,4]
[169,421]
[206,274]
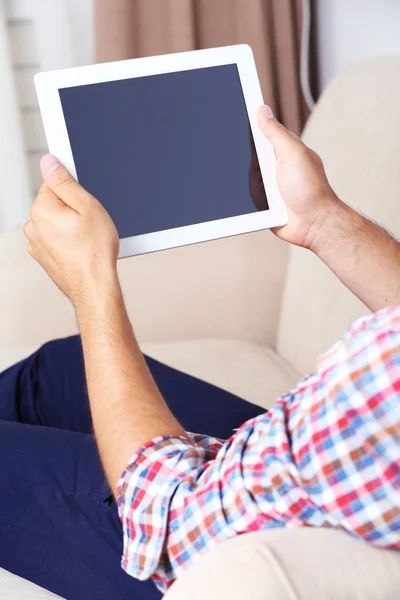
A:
[165,151]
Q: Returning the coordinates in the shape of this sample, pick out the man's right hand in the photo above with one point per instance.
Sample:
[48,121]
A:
[302,183]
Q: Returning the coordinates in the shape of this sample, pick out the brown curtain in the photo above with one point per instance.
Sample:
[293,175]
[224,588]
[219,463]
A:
[134,28]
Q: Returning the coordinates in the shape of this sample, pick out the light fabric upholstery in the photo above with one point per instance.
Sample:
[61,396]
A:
[233,313]
[356,130]
[16,588]
[228,288]
[231,365]
[309,564]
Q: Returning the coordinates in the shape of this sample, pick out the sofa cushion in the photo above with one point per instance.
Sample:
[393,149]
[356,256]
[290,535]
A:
[252,372]
[230,288]
[292,564]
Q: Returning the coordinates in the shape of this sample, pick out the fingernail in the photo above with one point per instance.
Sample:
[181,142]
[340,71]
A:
[267,112]
[50,163]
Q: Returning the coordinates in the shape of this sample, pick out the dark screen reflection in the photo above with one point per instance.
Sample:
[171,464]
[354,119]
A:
[256,185]
[165,151]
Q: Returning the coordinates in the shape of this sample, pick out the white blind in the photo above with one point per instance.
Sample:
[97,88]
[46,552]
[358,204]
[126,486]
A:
[15,194]
[41,35]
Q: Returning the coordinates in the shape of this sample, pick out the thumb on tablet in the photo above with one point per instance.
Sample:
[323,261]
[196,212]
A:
[281,138]
[62,183]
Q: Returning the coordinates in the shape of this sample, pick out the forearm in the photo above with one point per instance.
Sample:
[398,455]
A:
[364,256]
[127,407]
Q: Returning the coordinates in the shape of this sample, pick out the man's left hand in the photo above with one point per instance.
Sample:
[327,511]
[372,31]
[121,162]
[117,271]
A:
[70,233]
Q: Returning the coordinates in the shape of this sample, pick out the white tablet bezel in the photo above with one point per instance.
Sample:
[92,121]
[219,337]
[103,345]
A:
[47,88]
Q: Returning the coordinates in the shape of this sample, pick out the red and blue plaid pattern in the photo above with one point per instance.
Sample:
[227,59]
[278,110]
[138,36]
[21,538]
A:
[326,455]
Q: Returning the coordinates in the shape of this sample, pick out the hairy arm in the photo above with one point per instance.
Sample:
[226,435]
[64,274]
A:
[127,407]
[364,256]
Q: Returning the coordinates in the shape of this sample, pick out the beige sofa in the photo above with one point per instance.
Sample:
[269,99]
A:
[249,314]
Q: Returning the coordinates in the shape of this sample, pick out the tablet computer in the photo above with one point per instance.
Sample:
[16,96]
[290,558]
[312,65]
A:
[170,145]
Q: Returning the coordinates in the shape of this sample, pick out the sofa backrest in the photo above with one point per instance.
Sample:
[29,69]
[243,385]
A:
[356,130]
[228,288]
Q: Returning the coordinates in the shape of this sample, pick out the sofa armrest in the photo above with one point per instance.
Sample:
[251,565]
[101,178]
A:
[228,288]
[289,564]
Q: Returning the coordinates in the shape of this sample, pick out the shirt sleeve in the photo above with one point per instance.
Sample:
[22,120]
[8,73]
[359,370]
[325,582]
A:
[145,493]
[326,455]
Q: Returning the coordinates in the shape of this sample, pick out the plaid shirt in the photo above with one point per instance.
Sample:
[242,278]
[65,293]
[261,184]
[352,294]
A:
[326,455]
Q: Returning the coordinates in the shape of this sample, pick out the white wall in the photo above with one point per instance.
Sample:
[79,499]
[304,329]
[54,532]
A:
[349,30]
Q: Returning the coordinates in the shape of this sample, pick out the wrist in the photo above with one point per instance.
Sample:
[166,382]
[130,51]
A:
[96,292]
[334,214]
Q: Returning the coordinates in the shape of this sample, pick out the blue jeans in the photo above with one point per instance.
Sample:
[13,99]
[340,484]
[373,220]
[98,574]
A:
[59,525]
